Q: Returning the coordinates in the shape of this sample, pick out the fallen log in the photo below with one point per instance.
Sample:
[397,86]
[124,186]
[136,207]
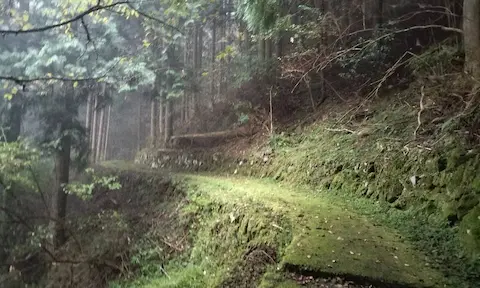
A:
[207,139]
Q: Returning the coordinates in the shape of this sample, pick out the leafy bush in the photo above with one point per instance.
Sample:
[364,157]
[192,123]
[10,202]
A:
[85,190]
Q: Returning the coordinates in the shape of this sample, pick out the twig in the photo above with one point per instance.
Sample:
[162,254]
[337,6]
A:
[172,246]
[309,88]
[335,91]
[2,135]
[164,272]
[391,70]
[340,130]
[419,115]
[271,112]
[155,19]
[276,226]
[269,257]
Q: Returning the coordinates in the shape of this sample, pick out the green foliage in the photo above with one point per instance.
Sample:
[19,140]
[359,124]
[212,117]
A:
[279,141]
[16,159]
[438,59]
[229,51]
[260,15]
[148,257]
[84,191]
[367,60]
[243,118]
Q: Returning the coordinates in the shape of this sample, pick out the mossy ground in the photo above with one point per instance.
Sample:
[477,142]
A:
[232,244]
[326,237]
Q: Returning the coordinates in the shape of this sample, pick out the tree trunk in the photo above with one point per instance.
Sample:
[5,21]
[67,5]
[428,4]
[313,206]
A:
[161,120]
[88,116]
[169,102]
[246,42]
[199,67]
[364,14]
[139,126]
[183,110]
[62,173]
[153,122]
[222,81]
[268,49]
[378,16]
[15,115]
[107,133]
[200,50]
[168,122]
[321,5]
[471,37]
[279,44]
[6,195]
[213,51]
[100,137]
[94,130]
[261,48]
[195,70]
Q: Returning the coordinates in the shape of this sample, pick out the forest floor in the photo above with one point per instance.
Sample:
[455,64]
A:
[260,233]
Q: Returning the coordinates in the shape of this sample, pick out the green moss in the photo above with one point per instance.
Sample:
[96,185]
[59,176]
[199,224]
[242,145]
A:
[326,236]
[470,231]
[394,192]
[184,277]
[466,203]
[273,279]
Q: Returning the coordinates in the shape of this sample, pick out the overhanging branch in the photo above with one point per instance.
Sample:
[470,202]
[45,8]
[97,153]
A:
[63,23]
[154,18]
[21,81]
[80,17]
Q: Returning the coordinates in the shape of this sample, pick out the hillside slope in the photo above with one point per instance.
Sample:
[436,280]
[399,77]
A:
[409,156]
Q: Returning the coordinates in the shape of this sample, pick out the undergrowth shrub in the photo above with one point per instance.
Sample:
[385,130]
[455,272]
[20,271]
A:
[440,59]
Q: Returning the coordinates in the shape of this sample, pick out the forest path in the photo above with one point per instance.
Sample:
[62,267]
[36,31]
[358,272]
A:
[328,238]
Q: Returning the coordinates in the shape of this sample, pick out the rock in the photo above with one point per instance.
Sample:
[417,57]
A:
[413,180]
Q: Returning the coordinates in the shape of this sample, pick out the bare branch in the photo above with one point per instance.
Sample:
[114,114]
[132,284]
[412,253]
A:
[89,39]
[154,18]
[20,80]
[419,115]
